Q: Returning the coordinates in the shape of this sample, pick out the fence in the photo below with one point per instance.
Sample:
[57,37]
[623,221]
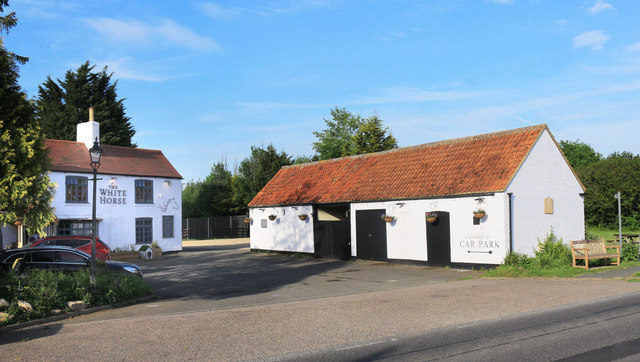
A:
[215,227]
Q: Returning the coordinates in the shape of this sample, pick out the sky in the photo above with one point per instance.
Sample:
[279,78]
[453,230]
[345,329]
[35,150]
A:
[204,81]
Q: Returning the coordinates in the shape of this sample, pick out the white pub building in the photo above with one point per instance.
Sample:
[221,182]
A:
[139,193]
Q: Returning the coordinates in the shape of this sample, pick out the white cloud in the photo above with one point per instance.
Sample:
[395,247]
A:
[122,69]
[599,6]
[634,47]
[561,22]
[593,39]
[412,94]
[216,11]
[140,34]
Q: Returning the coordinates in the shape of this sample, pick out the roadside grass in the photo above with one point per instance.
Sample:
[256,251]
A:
[47,291]
[515,271]
[553,259]
[606,233]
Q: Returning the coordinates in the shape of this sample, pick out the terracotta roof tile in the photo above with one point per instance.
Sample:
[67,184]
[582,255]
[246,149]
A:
[478,164]
[68,156]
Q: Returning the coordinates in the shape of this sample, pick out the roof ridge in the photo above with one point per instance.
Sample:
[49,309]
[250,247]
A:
[429,144]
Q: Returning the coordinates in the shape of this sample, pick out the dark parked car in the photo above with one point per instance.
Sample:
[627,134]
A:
[58,258]
[82,243]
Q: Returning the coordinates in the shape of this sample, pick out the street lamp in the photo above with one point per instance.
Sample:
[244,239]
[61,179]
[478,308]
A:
[96,153]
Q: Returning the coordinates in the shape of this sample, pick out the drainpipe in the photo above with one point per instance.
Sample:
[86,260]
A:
[510,223]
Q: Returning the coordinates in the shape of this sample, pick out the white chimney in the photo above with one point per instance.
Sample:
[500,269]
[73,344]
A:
[88,131]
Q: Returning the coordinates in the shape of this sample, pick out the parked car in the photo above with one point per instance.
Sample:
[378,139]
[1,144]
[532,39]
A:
[82,243]
[58,258]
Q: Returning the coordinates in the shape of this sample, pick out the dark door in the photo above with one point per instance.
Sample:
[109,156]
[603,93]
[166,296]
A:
[332,239]
[439,240]
[371,235]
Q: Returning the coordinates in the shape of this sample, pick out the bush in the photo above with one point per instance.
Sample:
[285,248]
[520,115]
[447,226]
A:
[629,252]
[517,259]
[47,290]
[552,252]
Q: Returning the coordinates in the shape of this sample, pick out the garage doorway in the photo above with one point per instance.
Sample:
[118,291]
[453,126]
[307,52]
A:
[439,240]
[371,235]
[332,232]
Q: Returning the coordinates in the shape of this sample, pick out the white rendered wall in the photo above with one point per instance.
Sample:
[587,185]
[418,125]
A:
[545,173]
[116,208]
[286,233]
[87,132]
[407,234]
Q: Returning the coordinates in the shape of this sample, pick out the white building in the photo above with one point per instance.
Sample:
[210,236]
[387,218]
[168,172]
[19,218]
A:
[520,178]
[139,193]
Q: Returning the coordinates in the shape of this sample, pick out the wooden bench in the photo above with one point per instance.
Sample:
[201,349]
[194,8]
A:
[593,249]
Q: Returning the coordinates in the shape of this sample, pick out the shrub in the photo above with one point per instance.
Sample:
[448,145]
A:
[46,290]
[629,252]
[517,259]
[552,252]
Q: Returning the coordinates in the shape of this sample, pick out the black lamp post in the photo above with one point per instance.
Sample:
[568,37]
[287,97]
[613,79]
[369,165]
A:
[96,153]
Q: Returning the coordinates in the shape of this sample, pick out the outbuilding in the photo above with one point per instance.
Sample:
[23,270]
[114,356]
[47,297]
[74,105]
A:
[462,201]
[139,193]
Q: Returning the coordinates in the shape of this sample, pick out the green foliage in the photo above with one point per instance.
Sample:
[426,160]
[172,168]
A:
[517,260]
[337,139]
[211,197]
[25,190]
[629,251]
[371,137]
[347,134]
[62,104]
[579,154]
[617,172]
[254,173]
[46,290]
[552,252]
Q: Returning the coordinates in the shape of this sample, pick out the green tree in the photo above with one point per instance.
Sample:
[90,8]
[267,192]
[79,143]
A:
[25,189]
[371,137]
[211,197]
[348,135]
[337,139]
[254,173]
[62,104]
[579,154]
[617,172]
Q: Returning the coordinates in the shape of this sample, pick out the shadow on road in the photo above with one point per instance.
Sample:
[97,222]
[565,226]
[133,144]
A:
[218,272]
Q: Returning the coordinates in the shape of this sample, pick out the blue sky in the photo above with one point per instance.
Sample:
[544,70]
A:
[204,81]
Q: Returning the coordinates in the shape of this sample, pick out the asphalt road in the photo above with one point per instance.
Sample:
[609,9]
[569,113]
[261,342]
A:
[277,307]
[602,330]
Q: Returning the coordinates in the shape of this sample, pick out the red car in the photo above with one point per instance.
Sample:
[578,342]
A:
[82,243]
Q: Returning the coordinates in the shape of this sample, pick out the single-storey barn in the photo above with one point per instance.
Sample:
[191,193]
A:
[381,206]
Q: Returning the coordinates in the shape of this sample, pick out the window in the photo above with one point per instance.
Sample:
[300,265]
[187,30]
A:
[144,230]
[77,189]
[167,226]
[67,257]
[144,192]
[77,228]
[42,257]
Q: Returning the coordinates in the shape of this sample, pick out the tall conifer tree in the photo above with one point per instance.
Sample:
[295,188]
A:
[62,104]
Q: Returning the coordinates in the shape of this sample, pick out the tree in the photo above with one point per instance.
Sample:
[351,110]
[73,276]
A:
[62,104]
[25,189]
[337,139]
[348,135]
[617,172]
[211,197]
[254,173]
[579,154]
[371,137]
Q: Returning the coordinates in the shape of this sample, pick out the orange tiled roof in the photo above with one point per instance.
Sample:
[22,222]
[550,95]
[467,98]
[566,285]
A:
[69,156]
[471,165]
